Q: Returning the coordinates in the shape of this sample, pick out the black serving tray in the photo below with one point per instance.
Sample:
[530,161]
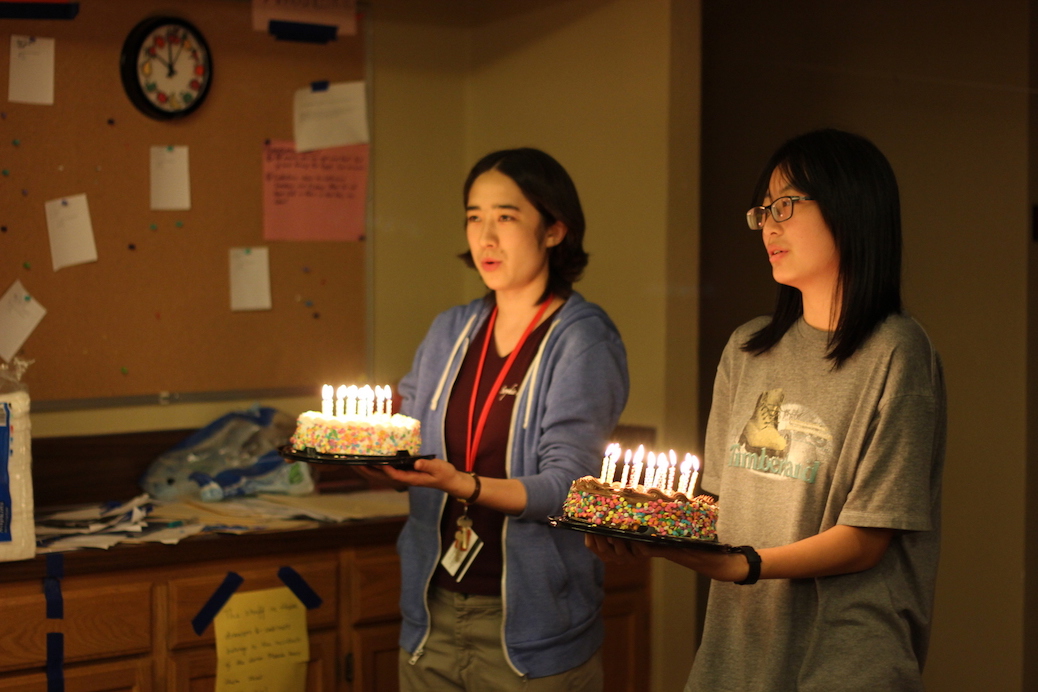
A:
[646,537]
[400,460]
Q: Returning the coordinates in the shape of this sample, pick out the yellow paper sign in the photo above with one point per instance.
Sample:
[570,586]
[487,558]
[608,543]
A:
[261,642]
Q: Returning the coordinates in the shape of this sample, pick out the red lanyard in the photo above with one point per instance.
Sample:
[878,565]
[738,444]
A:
[472,441]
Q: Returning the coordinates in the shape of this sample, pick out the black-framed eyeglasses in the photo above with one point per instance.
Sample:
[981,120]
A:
[781,209]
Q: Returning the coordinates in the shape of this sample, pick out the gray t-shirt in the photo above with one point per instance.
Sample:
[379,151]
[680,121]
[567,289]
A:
[795,447]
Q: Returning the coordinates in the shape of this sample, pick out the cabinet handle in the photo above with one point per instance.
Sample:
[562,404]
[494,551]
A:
[347,667]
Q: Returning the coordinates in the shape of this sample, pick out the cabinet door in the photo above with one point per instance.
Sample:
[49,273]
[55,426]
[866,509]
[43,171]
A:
[104,616]
[123,676]
[376,651]
[628,641]
[194,670]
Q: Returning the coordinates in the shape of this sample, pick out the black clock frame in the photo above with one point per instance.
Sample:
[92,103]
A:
[128,67]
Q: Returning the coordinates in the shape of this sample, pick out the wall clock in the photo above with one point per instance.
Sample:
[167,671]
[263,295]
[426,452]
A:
[166,67]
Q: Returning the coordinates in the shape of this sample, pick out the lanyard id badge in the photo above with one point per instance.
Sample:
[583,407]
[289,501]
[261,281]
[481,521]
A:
[463,551]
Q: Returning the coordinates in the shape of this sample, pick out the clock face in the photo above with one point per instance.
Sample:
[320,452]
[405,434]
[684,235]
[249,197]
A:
[166,67]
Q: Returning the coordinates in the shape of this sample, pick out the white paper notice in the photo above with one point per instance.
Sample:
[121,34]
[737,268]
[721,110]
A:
[333,117]
[71,234]
[19,315]
[250,278]
[31,75]
[170,179]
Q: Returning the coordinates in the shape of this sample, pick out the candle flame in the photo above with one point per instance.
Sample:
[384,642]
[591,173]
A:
[627,457]
[686,465]
[695,462]
[638,455]
[326,391]
[673,458]
[341,391]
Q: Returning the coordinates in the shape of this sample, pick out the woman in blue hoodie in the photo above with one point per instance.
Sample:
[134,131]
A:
[517,394]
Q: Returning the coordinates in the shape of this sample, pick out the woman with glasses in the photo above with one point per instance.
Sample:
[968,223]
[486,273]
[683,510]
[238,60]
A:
[517,394]
[825,446]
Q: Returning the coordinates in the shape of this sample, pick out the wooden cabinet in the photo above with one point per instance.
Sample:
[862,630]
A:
[128,612]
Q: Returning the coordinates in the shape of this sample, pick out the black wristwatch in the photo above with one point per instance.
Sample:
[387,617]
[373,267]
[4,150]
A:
[754,561]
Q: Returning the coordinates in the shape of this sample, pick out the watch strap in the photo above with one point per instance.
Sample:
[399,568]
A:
[754,561]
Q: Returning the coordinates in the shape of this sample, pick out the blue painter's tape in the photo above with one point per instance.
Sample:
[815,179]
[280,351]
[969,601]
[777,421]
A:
[298,31]
[6,509]
[222,594]
[52,586]
[55,662]
[295,582]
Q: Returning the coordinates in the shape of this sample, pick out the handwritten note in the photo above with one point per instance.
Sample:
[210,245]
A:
[315,195]
[334,116]
[250,278]
[70,230]
[170,178]
[31,71]
[19,315]
[261,642]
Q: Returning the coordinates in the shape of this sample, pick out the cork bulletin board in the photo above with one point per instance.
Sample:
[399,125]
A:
[153,313]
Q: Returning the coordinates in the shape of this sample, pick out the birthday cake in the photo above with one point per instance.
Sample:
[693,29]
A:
[641,510]
[646,506]
[359,426]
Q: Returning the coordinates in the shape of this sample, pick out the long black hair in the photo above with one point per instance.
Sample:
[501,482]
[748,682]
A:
[855,188]
[548,187]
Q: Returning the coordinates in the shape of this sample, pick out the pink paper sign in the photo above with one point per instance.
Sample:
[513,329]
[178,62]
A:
[314,195]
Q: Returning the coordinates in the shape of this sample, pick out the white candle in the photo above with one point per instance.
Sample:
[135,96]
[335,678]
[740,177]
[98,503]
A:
[326,400]
[340,394]
[670,470]
[380,399]
[351,400]
[368,396]
[637,472]
[650,470]
[686,467]
[614,454]
[389,400]
[695,475]
[625,477]
[604,476]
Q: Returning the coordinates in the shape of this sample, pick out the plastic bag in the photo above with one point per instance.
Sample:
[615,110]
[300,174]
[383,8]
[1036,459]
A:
[234,455]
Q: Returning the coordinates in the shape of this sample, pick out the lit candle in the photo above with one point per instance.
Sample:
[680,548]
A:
[686,467]
[389,400]
[637,473]
[695,476]
[326,400]
[604,476]
[340,394]
[369,400]
[627,468]
[650,470]
[379,398]
[670,470]
[351,400]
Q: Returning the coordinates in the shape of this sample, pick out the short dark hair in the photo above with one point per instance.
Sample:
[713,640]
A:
[856,191]
[548,187]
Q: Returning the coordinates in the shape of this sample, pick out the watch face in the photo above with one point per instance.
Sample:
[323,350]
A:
[166,67]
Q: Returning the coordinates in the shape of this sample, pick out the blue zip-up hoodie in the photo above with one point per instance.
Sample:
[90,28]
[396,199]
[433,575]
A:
[565,410]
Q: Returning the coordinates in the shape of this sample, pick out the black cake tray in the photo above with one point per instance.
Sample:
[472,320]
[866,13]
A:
[400,460]
[643,537]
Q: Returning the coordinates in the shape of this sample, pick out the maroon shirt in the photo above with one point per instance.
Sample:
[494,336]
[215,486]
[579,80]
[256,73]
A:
[484,574]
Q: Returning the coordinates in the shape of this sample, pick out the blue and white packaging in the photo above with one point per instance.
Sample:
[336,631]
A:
[17,524]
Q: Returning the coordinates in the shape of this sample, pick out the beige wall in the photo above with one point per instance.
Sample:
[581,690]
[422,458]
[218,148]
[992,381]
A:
[942,89]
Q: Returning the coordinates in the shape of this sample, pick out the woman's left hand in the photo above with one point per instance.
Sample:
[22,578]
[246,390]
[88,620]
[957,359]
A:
[719,566]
